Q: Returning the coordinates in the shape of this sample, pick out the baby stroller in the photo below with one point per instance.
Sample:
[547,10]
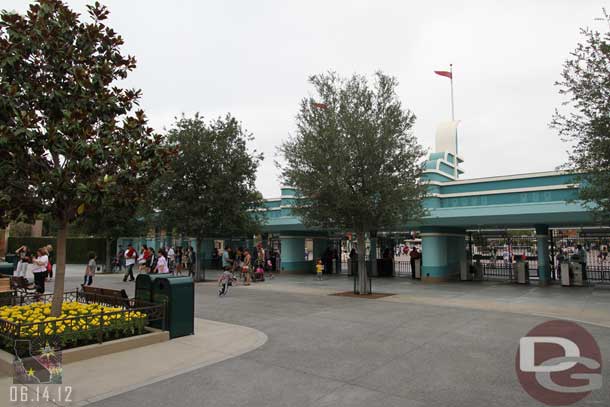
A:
[259,274]
[225,281]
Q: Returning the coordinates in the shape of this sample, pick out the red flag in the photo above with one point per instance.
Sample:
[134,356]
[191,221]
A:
[320,105]
[444,73]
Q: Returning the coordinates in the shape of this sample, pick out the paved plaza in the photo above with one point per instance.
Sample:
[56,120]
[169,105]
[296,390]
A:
[429,345]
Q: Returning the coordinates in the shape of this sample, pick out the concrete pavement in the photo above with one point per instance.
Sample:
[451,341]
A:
[106,376]
[448,344]
[335,351]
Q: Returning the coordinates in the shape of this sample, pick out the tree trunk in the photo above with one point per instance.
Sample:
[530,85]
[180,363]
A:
[363,281]
[60,272]
[108,256]
[373,255]
[198,260]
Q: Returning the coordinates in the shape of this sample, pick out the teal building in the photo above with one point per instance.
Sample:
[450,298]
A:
[539,201]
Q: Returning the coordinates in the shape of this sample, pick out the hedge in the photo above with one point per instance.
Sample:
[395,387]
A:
[77,248]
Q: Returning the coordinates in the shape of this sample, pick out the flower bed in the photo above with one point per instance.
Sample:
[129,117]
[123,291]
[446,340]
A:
[81,322]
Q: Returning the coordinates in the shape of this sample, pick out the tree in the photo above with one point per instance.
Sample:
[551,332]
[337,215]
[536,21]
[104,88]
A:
[209,188]
[114,218]
[354,161]
[68,132]
[586,123]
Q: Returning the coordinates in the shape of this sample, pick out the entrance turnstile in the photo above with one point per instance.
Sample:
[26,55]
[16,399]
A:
[577,274]
[566,279]
[523,272]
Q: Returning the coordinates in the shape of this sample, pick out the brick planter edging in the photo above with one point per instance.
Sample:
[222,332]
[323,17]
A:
[94,350]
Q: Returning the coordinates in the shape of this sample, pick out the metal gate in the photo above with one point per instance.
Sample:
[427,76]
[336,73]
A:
[497,251]
[596,245]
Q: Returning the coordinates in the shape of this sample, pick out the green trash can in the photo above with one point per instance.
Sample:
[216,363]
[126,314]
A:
[144,286]
[12,258]
[7,269]
[179,295]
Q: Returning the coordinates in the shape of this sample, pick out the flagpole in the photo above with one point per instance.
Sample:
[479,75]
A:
[453,119]
[451,77]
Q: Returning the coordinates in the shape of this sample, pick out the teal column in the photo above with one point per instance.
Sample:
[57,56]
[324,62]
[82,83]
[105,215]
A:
[207,247]
[542,242]
[443,251]
[292,254]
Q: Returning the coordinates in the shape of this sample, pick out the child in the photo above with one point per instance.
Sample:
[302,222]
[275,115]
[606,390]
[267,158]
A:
[224,281]
[319,269]
[90,269]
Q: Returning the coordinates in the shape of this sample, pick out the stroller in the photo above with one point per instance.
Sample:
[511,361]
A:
[225,280]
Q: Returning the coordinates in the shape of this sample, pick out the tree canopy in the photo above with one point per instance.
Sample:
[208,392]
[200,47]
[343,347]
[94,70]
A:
[209,188]
[584,120]
[354,159]
[69,134]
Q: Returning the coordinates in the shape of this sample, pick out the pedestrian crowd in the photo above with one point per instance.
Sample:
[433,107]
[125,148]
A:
[170,260]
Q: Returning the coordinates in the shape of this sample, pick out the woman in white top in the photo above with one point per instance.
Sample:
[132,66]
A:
[161,266]
[40,269]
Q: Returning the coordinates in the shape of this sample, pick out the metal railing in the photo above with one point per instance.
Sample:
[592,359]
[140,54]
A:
[402,268]
[78,330]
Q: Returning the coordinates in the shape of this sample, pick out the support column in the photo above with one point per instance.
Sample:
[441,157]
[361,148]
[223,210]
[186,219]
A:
[443,251]
[292,254]
[542,242]
[207,248]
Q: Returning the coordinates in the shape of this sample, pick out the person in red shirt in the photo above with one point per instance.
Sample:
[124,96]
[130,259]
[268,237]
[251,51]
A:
[146,255]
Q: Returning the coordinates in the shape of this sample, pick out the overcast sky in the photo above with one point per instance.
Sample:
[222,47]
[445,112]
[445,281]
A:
[252,58]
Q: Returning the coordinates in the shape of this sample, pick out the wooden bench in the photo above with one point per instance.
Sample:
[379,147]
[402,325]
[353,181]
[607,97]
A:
[5,284]
[106,296]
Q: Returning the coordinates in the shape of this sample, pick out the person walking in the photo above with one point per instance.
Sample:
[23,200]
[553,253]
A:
[186,260]
[171,260]
[582,259]
[192,261]
[319,269]
[41,262]
[22,264]
[90,269]
[415,256]
[247,266]
[120,258]
[227,262]
[51,260]
[131,256]
[353,260]
[161,267]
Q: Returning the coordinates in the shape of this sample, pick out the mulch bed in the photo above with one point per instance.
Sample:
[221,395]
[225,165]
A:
[369,296]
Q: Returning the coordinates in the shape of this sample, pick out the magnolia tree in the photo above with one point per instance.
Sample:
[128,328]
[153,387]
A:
[354,159]
[69,134]
[585,119]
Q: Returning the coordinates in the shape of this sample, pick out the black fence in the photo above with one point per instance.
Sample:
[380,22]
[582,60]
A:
[131,319]
[385,267]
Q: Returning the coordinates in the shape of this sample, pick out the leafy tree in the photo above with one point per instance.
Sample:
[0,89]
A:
[586,120]
[114,218]
[354,160]
[68,132]
[209,188]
